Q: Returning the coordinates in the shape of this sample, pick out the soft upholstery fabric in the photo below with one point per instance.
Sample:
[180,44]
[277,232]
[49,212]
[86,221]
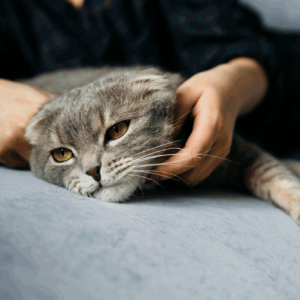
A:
[282,15]
[188,244]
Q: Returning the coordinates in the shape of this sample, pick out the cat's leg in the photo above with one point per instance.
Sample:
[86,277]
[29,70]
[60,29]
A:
[271,180]
[293,165]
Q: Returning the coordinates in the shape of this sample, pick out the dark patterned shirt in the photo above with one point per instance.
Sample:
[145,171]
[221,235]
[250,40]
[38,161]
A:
[187,36]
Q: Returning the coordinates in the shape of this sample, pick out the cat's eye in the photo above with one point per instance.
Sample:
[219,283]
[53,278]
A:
[62,154]
[117,130]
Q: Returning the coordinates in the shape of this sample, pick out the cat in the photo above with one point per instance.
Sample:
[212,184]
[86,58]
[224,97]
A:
[106,128]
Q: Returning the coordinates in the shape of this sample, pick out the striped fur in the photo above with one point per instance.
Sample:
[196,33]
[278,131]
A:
[274,181]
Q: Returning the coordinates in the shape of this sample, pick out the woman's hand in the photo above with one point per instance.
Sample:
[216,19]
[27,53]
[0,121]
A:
[18,104]
[214,99]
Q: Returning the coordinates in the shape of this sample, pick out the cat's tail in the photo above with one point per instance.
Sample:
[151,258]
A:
[293,165]
[272,180]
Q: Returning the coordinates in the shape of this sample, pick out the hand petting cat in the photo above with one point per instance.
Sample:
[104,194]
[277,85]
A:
[214,99]
[18,104]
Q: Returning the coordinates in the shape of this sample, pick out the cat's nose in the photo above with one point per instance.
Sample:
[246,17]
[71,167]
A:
[95,173]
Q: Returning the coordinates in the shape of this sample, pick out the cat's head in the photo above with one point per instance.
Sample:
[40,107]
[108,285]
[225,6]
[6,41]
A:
[104,138]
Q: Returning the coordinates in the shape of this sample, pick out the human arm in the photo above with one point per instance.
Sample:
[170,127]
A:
[18,104]
[221,46]
[214,98]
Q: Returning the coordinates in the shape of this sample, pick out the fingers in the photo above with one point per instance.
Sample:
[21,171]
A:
[8,136]
[204,170]
[13,160]
[14,118]
[185,101]
[18,104]
[18,154]
[23,149]
[13,139]
[203,136]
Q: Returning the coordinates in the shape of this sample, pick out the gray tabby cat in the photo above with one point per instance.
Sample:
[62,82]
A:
[106,129]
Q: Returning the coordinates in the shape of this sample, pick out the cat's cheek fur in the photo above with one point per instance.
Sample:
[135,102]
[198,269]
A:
[116,193]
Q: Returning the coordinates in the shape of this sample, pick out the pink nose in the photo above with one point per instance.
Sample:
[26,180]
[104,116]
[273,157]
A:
[95,173]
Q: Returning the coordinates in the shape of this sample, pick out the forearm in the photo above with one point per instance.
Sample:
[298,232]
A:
[18,104]
[11,89]
[249,82]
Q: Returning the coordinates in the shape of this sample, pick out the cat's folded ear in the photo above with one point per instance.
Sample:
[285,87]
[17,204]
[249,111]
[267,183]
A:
[154,80]
[150,81]
[35,128]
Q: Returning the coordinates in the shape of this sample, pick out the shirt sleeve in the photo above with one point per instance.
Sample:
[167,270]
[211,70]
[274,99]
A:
[208,33]
[15,52]
[187,36]
[212,32]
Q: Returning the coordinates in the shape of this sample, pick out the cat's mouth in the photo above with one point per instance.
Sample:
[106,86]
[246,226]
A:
[105,189]
[101,186]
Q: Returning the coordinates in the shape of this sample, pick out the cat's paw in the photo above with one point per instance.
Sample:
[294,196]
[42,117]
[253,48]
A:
[83,186]
[295,213]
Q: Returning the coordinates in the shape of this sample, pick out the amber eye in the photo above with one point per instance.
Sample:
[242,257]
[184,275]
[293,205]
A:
[117,130]
[62,154]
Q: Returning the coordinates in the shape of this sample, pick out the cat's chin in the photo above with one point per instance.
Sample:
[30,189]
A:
[114,193]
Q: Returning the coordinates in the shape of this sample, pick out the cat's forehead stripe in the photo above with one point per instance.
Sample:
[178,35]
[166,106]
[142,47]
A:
[55,138]
[59,135]
[96,121]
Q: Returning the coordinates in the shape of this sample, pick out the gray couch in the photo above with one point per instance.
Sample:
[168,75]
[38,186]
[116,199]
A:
[185,244]
[175,244]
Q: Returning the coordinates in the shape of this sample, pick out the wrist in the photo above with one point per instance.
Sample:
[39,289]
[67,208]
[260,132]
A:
[249,82]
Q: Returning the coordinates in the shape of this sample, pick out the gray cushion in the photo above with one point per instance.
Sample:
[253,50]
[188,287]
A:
[185,244]
[282,15]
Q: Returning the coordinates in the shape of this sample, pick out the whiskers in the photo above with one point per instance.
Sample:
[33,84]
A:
[127,176]
[159,173]
[134,188]
[151,156]
[160,146]
[147,178]
[148,168]
[177,121]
